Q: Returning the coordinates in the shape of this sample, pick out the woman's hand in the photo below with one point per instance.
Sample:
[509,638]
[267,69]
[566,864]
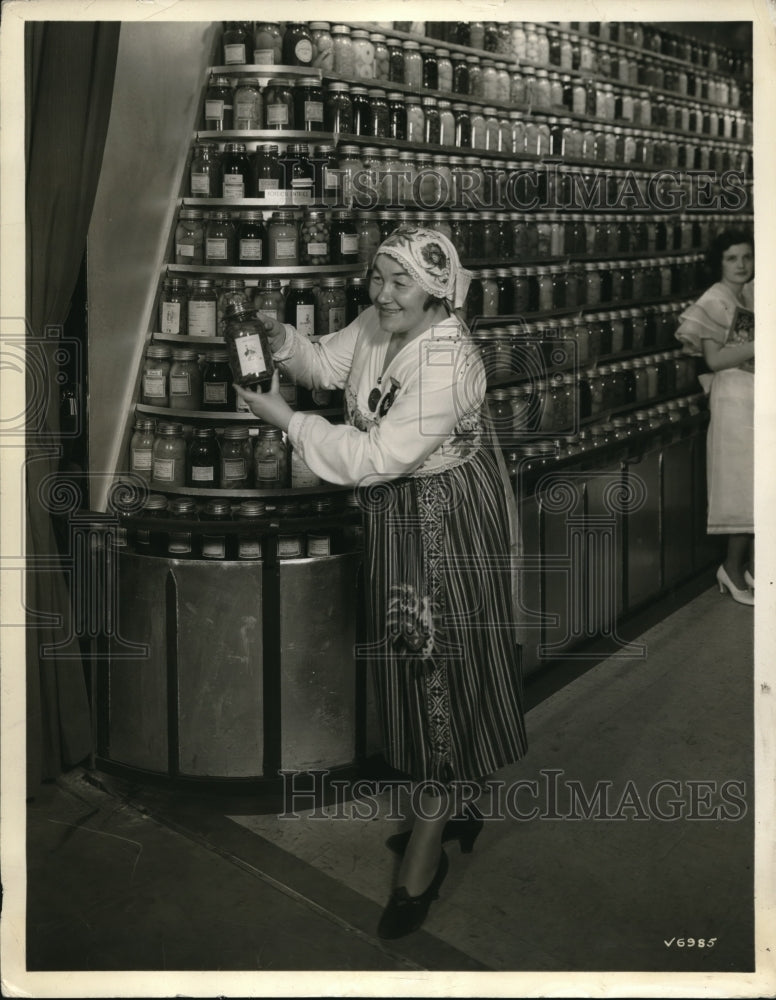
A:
[269,406]
[275,331]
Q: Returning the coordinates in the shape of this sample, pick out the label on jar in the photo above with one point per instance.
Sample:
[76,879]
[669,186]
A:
[234,187]
[154,384]
[289,546]
[264,57]
[234,54]
[215,249]
[180,543]
[214,392]
[171,317]
[233,468]
[200,183]
[268,184]
[249,548]
[318,545]
[164,470]
[214,109]
[313,111]
[184,250]
[336,318]
[251,249]
[285,249]
[303,50]
[268,470]
[180,385]
[331,178]
[277,114]
[202,319]
[348,244]
[203,474]
[250,354]
[213,547]
[305,320]
[272,313]
[142,459]
[317,249]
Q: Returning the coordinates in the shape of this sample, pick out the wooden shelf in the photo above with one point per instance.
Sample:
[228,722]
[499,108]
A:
[220,416]
[249,494]
[210,270]
[266,71]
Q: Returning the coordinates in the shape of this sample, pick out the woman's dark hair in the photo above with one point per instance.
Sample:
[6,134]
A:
[722,242]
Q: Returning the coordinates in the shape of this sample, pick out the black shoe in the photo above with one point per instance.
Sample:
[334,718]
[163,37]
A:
[465,829]
[405,914]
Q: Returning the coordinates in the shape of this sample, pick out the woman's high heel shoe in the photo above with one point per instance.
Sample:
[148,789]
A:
[405,914]
[725,583]
[465,829]
[749,579]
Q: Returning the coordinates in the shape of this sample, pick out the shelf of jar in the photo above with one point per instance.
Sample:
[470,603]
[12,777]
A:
[514,319]
[220,416]
[279,199]
[572,364]
[185,340]
[490,263]
[309,270]
[213,493]
[264,135]
[265,70]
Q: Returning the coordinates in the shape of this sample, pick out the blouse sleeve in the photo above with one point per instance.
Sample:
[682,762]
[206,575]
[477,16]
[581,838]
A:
[323,365]
[705,319]
[423,416]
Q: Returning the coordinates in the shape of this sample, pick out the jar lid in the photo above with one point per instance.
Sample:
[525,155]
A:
[443,52]
[358,90]
[376,37]
[267,147]
[338,87]
[269,284]
[169,429]
[473,59]
[204,432]
[155,501]
[144,424]
[191,213]
[203,284]
[219,81]
[300,148]
[158,352]
[351,150]
[217,355]
[429,101]
[411,45]
[178,283]
[342,28]
[302,283]
[280,84]
[358,282]
[218,508]
[184,354]
[233,285]
[234,147]
[412,99]
[252,216]
[251,508]
[377,92]
[183,505]
[236,433]
[342,214]
[319,25]
[359,33]
[332,282]
[283,216]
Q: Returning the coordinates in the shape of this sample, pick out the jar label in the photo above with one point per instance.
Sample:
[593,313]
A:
[234,54]
[200,183]
[214,392]
[289,546]
[215,249]
[305,320]
[202,319]
[142,459]
[317,249]
[234,187]
[268,470]
[203,474]
[277,114]
[180,543]
[336,318]
[171,317]
[264,57]
[318,545]
[348,244]
[249,548]
[303,50]
[184,250]
[250,355]
[272,313]
[154,384]
[214,109]
[268,184]
[180,385]
[164,470]
[233,468]
[251,249]
[213,547]
[313,111]
[331,178]
[245,114]
[285,249]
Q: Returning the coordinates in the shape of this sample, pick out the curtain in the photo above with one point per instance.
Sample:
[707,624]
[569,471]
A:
[69,72]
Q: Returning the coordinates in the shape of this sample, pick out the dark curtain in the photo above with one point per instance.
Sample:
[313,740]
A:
[69,72]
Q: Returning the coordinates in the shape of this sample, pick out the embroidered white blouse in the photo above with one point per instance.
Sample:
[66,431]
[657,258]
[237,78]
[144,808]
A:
[429,414]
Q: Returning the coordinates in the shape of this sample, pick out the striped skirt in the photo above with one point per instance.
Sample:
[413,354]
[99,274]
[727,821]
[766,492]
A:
[441,631]
[730,453]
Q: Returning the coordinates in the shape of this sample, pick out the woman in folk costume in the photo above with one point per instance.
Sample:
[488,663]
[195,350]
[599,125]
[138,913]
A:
[720,327]
[439,533]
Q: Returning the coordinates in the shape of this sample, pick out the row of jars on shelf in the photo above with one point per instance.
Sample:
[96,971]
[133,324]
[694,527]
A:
[371,111]
[168,454]
[358,53]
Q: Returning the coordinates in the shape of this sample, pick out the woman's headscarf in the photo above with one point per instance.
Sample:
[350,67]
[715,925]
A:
[432,260]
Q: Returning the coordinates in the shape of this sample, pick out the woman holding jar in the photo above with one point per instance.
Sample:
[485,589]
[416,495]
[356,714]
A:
[435,498]
[720,327]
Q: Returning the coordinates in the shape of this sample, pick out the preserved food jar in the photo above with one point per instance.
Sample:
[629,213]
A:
[323,46]
[205,171]
[463,128]
[219,115]
[247,104]
[362,110]
[202,308]
[173,307]
[444,71]
[268,299]
[220,240]
[344,55]
[213,542]
[368,234]
[217,392]
[237,42]
[397,116]
[267,171]
[270,460]
[189,237]
[416,119]
[382,56]
[156,376]
[185,380]
[267,44]
[356,298]
[249,354]
[251,240]
[141,448]
[379,114]
[202,460]
[344,238]
[283,240]
[300,306]
[249,545]
[298,174]
[279,105]
[338,109]
[169,458]
[314,245]
[363,54]
[460,74]
[330,314]
[236,464]
[413,65]
[430,69]
[236,174]
[297,45]
[308,106]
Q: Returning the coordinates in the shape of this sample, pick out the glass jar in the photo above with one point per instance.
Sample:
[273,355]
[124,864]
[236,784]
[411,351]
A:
[356,298]
[156,376]
[185,380]
[213,541]
[236,174]
[205,171]
[297,45]
[368,235]
[362,111]
[460,74]
[218,113]
[298,173]
[169,456]
[379,114]
[173,307]
[382,56]
[249,545]
[250,358]
[141,448]
[344,54]
[314,240]
[413,65]
[217,392]
[283,240]
[432,128]
[308,106]
[268,299]
[444,71]
[279,105]
[220,240]
[416,119]
[330,314]
[323,46]
[247,104]
[267,43]
[202,459]
[463,127]
[236,464]
[189,237]
[363,54]
[202,308]
[338,109]
[271,460]
[251,240]
[344,238]
[300,306]
[430,70]
[266,170]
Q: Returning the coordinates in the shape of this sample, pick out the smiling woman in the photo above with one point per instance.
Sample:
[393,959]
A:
[438,509]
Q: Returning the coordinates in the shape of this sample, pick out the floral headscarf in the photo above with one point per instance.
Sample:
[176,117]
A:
[432,260]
